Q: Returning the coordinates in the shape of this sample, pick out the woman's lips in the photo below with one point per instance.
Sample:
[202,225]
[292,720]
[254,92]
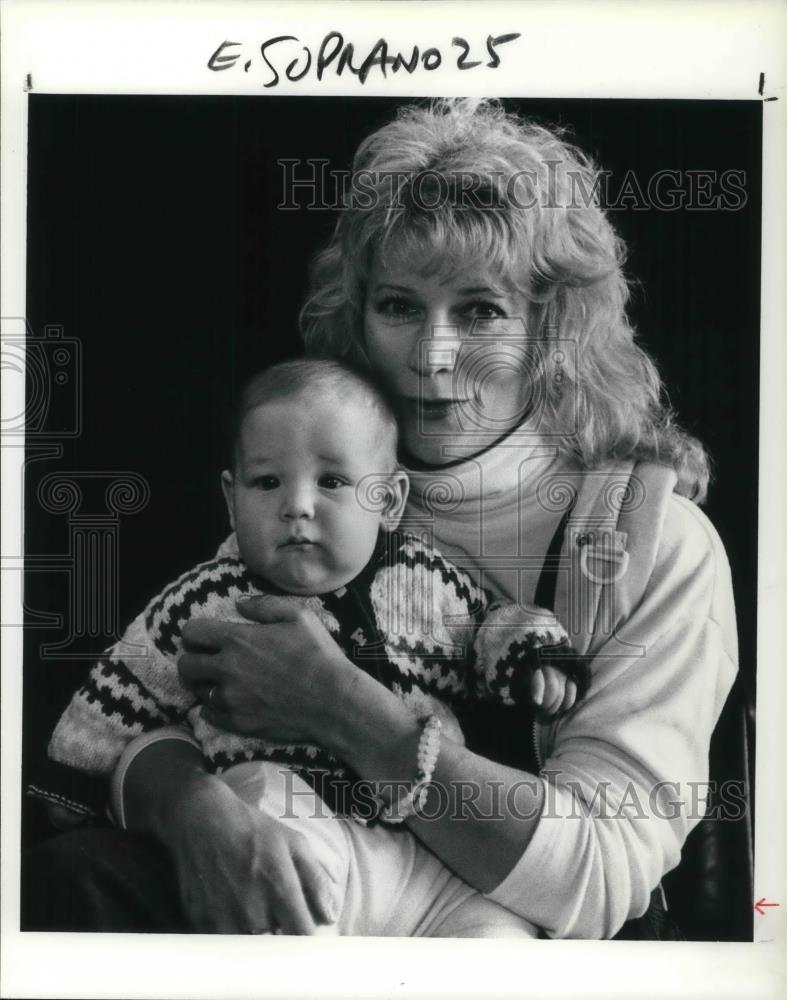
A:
[435,409]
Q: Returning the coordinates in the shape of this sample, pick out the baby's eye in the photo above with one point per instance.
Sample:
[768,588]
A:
[266,483]
[331,482]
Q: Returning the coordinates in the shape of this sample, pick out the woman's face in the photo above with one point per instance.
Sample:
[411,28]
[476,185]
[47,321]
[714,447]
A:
[452,349]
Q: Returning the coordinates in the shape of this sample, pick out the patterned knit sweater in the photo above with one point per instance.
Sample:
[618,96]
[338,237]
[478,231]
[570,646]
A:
[411,619]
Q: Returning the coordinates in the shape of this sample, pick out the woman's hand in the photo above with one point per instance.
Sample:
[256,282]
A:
[239,870]
[62,818]
[278,677]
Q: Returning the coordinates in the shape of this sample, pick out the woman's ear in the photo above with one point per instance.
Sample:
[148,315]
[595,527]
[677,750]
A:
[398,486]
[228,489]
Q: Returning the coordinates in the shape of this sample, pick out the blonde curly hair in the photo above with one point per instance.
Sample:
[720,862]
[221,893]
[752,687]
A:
[461,180]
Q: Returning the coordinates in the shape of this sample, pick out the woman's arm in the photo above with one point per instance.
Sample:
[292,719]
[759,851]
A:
[238,870]
[468,819]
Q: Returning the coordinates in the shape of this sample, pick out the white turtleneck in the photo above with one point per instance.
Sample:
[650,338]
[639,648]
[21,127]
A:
[488,514]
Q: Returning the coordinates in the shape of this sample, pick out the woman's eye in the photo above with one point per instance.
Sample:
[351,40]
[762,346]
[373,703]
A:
[266,483]
[397,308]
[483,310]
[331,482]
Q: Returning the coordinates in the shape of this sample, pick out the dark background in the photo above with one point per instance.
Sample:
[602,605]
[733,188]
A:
[154,238]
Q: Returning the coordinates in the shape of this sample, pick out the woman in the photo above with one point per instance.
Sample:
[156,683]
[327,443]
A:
[477,277]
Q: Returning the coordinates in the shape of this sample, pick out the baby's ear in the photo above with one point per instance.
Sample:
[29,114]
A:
[228,489]
[398,486]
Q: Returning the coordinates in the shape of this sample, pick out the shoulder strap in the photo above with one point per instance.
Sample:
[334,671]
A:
[546,588]
[591,552]
[641,521]
[612,535]
[610,532]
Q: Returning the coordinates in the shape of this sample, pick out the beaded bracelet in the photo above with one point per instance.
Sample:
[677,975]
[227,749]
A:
[425,762]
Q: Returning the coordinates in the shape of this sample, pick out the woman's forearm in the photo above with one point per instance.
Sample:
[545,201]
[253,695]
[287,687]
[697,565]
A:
[156,782]
[482,814]
[485,815]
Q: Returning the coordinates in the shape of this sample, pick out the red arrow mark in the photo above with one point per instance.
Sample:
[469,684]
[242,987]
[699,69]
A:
[761,903]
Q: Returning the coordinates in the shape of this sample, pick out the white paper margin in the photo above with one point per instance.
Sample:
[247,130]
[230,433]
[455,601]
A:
[568,49]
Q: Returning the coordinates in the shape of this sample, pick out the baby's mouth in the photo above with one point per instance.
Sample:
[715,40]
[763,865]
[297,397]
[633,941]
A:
[297,542]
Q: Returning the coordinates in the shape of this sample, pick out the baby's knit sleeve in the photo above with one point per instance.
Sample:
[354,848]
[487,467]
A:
[133,688]
[512,641]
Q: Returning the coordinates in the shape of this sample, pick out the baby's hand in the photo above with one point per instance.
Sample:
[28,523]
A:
[523,656]
[552,691]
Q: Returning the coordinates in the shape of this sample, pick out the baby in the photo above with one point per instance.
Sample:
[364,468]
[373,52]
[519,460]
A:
[315,498]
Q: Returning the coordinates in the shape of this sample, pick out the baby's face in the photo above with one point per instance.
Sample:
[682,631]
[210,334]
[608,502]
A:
[298,496]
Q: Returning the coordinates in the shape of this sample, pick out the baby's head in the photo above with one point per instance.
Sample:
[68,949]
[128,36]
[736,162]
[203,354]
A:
[314,476]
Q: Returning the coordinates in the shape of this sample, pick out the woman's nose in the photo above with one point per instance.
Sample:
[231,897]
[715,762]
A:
[436,347]
[297,503]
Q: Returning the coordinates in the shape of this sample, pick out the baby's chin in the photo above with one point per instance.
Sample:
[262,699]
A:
[303,581]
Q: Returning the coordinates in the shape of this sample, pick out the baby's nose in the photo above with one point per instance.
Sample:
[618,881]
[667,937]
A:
[298,503]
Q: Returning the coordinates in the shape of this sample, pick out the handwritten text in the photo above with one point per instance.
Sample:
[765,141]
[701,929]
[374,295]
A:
[286,55]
